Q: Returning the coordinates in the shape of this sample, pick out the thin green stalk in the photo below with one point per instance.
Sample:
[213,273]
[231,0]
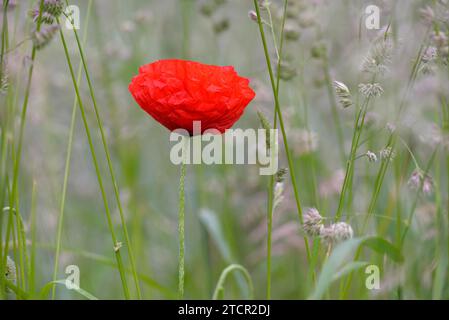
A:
[7,131]
[281,122]
[21,240]
[313,158]
[32,274]
[21,246]
[67,166]
[219,289]
[4,48]
[447,209]
[393,135]
[398,180]
[10,233]
[9,227]
[109,162]
[334,108]
[116,245]
[181,222]
[390,144]
[16,161]
[445,111]
[269,235]
[270,19]
[20,294]
[24,110]
[415,201]
[358,126]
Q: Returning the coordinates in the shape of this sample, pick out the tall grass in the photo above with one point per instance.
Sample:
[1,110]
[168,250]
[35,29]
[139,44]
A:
[242,242]
[67,166]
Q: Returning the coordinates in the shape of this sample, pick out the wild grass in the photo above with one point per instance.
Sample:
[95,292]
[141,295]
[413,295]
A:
[370,156]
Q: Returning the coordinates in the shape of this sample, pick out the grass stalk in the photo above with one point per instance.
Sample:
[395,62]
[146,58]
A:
[67,166]
[272,177]
[358,127]
[384,166]
[4,144]
[116,245]
[415,201]
[16,160]
[281,123]
[219,289]
[32,270]
[334,107]
[109,163]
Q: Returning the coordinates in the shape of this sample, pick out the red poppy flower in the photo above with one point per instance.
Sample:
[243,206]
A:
[178,92]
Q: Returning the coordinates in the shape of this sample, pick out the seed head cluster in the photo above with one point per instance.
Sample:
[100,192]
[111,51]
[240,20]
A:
[10,271]
[421,180]
[343,94]
[45,17]
[371,90]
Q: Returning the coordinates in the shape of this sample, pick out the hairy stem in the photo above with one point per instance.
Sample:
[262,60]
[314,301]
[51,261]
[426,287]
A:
[181,221]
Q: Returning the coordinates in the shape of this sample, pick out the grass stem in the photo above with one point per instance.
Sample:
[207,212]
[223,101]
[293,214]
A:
[116,246]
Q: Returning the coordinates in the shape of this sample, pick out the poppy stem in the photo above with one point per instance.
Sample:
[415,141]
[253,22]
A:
[181,220]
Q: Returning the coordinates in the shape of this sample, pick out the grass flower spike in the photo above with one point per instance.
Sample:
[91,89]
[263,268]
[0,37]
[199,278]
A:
[43,37]
[343,93]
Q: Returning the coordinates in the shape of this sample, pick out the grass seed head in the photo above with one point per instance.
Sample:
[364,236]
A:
[43,37]
[343,94]
[379,57]
[419,179]
[278,194]
[312,223]
[371,90]
[10,270]
[53,7]
[371,156]
[387,154]
[252,15]
[45,18]
[280,175]
[337,233]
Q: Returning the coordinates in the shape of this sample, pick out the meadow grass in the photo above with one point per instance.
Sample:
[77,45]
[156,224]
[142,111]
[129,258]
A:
[367,181]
